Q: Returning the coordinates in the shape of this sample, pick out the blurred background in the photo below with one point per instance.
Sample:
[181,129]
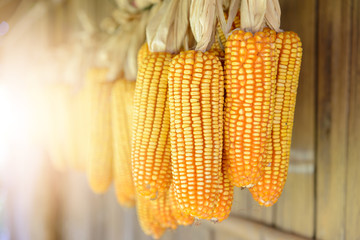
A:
[44,43]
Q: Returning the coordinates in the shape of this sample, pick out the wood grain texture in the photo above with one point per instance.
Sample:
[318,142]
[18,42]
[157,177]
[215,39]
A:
[194,232]
[245,206]
[298,195]
[353,177]
[334,37]
[239,228]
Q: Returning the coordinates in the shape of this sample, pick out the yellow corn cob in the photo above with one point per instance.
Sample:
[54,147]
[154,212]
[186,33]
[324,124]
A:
[196,94]
[142,54]
[162,210]
[249,66]
[99,168]
[147,218]
[236,24]
[121,106]
[223,207]
[181,217]
[151,164]
[269,188]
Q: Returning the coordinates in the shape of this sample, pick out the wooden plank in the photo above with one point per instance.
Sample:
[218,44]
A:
[298,195]
[222,235]
[334,26]
[353,167]
[245,206]
[239,228]
[194,232]
[239,206]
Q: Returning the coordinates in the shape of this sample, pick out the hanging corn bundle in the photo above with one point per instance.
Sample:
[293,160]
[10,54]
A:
[151,164]
[250,66]
[289,51]
[212,108]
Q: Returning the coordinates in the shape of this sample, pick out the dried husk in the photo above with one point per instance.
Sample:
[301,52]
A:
[167,29]
[234,6]
[203,22]
[273,15]
[118,51]
[253,15]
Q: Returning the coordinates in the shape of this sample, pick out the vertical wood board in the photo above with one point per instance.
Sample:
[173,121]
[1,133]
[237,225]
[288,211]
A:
[353,166]
[332,119]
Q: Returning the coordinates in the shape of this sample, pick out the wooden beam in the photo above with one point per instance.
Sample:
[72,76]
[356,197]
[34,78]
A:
[353,166]
[250,230]
[334,51]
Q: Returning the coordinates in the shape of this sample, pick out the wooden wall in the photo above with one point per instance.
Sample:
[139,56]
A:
[321,199]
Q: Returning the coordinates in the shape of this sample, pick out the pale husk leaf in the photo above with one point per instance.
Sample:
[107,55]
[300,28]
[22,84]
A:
[252,15]
[234,6]
[273,15]
[157,30]
[179,29]
[203,22]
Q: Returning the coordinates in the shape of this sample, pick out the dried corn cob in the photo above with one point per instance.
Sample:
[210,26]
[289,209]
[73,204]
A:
[162,210]
[181,217]
[99,168]
[121,106]
[147,218]
[151,165]
[142,54]
[196,94]
[249,66]
[269,188]
[223,207]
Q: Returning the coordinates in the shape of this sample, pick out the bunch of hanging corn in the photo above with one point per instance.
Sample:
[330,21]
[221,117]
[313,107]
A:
[262,72]
[201,121]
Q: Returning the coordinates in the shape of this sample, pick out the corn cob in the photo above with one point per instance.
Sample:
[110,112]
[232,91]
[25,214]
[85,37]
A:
[162,210]
[223,207]
[269,188]
[249,66]
[142,54]
[147,218]
[151,165]
[121,106]
[179,215]
[99,169]
[196,94]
